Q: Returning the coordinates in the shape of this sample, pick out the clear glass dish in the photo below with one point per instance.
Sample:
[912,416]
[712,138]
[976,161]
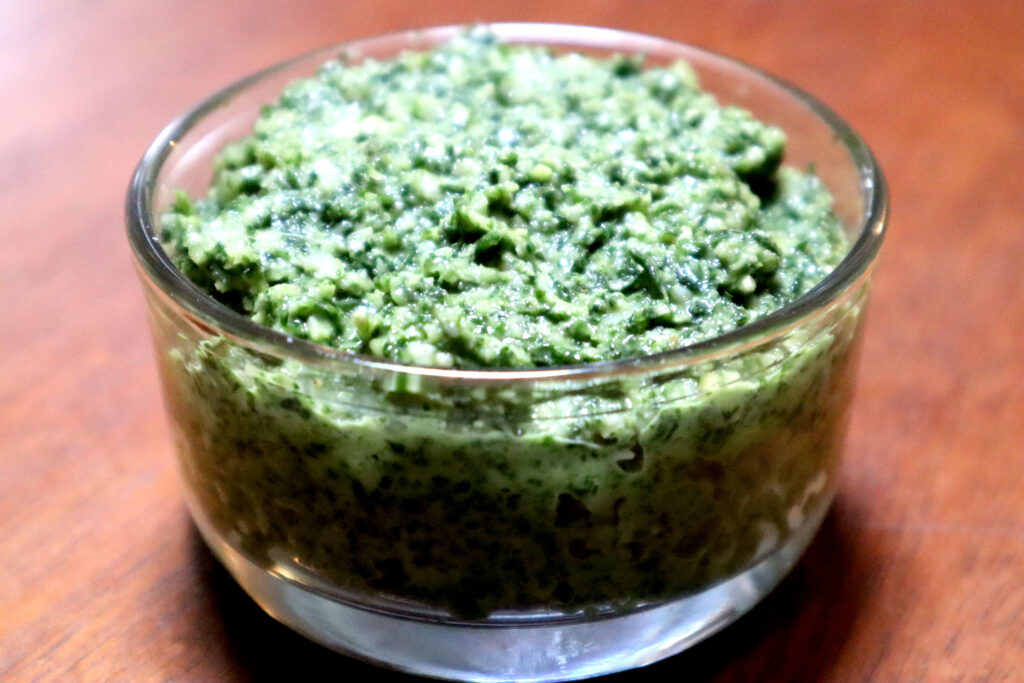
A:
[510,525]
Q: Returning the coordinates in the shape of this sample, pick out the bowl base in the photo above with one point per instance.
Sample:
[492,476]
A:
[488,652]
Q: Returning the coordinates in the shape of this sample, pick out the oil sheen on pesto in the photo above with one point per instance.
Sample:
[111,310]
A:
[488,205]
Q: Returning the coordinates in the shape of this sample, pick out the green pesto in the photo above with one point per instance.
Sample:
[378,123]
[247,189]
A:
[482,205]
[486,205]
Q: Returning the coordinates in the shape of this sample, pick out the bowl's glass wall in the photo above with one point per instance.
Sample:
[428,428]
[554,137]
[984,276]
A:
[470,496]
[530,497]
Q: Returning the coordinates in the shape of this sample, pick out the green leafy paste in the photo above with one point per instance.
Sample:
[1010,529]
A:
[483,205]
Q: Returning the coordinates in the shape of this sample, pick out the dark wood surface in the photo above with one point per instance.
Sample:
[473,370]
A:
[918,574]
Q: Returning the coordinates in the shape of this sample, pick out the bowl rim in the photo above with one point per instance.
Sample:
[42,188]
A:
[211,316]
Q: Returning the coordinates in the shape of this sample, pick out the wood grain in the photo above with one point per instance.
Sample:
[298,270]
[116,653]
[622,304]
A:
[918,574]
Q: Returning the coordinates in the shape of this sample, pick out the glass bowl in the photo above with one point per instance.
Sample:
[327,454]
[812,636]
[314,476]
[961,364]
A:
[524,524]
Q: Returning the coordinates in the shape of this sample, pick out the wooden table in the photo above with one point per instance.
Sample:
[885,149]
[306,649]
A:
[918,574]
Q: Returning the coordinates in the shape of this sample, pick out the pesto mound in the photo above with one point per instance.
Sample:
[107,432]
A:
[490,205]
